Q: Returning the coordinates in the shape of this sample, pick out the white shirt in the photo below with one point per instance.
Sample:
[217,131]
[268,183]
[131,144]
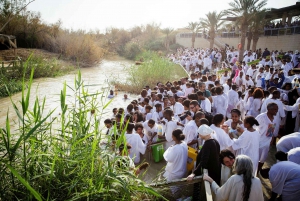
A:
[170,126]
[176,157]
[266,129]
[137,146]
[248,144]
[219,103]
[233,189]
[177,108]
[248,59]
[248,83]
[206,105]
[288,142]
[224,78]
[190,132]
[222,137]
[150,131]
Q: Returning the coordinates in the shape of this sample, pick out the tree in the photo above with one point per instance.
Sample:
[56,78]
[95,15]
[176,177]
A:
[167,32]
[11,8]
[244,11]
[212,22]
[257,26]
[194,27]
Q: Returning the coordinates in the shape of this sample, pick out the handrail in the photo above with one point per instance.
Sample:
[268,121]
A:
[196,179]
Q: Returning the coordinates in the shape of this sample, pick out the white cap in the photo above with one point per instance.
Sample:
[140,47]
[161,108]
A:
[205,130]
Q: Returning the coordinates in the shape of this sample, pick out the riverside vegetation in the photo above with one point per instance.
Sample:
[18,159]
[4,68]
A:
[154,69]
[65,157]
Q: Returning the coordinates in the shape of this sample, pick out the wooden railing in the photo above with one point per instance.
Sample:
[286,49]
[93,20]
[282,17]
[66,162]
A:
[184,181]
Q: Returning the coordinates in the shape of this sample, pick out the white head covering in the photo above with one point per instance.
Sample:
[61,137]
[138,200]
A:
[294,155]
[205,130]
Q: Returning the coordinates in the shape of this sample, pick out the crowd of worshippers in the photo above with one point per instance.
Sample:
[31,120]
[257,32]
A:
[231,119]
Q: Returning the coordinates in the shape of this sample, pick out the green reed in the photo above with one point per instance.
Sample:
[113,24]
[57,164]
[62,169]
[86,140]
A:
[154,69]
[64,157]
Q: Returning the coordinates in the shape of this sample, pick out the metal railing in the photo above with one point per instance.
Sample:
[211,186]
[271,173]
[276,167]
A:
[282,31]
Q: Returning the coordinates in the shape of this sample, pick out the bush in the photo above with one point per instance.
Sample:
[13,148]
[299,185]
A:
[132,50]
[64,157]
[175,46]
[154,69]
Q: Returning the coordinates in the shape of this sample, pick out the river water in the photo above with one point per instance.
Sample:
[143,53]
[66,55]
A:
[97,77]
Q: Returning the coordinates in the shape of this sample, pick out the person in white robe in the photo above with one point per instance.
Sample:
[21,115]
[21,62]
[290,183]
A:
[234,99]
[266,129]
[285,179]
[190,132]
[138,147]
[288,142]
[233,189]
[176,107]
[176,157]
[280,114]
[248,143]
[169,126]
[295,113]
[219,102]
[151,130]
[220,135]
[293,155]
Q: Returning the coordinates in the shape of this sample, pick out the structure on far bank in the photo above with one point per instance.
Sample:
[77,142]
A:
[285,35]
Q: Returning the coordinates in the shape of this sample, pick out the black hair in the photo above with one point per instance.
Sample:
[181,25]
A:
[251,120]
[217,119]
[169,112]
[226,153]
[281,156]
[177,133]
[204,121]
[237,111]
[130,127]
[151,121]
[138,125]
[108,121]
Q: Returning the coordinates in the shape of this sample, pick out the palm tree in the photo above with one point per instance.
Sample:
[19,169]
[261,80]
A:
[167,32]
[257,26]
[212,22]
[194,27]
[244,11]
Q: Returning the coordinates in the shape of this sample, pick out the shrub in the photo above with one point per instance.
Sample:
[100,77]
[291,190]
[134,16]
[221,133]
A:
[154,69]
[132,49]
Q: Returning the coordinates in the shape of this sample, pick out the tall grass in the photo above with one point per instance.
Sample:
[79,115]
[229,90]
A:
[154,69]
[63,157]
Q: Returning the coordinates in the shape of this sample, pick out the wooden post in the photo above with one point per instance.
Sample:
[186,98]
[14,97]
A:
[15,49]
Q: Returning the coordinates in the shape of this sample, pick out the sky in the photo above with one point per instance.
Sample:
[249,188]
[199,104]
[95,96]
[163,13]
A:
[101,14]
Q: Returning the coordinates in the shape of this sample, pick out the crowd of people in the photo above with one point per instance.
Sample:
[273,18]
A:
[231,112]
[279,24]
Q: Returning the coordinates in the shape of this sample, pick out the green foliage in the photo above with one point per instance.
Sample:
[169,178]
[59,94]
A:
[132,50]
[11,81]
[65,157]
[154,69]
[156,45]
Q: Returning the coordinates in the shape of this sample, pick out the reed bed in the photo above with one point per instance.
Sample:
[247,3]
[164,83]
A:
[154,69]
[64,157]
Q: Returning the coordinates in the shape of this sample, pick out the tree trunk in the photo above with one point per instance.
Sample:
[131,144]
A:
[193,39]
[243,40]
[255,40]
[211,40]
[249,38]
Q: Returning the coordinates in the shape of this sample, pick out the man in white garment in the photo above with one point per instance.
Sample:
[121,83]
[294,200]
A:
[138,147]
[234,100]
[190,131]
[176,107]
[266,129]
[292,155]
[248,82]
[260,75]
[240,81]
[248,58]
[207,63]
[288,142]
[151,130]
[285,179]
[224,77]
[227,86]
[205,102]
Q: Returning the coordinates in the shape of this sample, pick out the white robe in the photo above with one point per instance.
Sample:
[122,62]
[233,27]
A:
[288,142]
[248,144]
[294,155]
[149,132]
[219,104]
[190,132]
[222,137]
[285,179]
[176,157]
[232,190]
[137,146]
